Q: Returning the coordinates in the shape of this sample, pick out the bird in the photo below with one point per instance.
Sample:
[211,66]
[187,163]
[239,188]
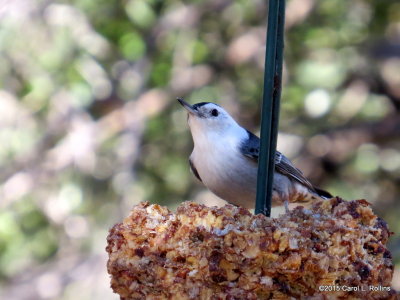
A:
[225,159]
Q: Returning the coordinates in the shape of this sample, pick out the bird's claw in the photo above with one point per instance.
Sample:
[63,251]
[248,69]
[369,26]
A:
[286,202]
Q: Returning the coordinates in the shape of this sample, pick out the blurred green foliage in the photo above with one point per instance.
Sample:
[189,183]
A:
[89,125]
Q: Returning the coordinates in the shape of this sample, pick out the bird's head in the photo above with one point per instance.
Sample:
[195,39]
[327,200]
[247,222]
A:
[208,117]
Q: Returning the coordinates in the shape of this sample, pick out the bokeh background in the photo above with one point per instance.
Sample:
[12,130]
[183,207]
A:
[89,125]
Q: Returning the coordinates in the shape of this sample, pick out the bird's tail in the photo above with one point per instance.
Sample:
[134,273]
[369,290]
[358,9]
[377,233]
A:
[323,194]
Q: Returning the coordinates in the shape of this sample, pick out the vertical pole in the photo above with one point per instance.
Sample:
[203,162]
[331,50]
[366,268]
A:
[270,107]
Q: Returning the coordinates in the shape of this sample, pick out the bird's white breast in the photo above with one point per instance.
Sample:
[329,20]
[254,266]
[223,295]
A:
[224,169]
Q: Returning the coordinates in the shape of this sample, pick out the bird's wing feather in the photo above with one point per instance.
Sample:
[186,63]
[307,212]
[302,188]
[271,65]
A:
[194,170]
[284,166]
[251,149]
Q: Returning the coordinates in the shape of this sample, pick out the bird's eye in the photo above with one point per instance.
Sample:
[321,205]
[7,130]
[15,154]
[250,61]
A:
[214,113]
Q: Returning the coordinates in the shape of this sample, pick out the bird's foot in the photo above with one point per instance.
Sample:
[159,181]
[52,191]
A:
[286,203]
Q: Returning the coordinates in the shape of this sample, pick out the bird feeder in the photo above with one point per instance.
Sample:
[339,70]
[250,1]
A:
[335,249]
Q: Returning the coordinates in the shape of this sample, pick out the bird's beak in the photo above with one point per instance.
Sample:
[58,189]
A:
[188,107]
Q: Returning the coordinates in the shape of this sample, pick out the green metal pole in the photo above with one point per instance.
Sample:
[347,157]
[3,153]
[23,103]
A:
[270,107]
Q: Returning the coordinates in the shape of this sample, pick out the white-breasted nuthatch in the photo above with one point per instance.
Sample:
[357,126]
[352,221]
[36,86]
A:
[225,159]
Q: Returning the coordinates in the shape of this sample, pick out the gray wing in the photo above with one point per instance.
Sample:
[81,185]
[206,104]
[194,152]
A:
[251,149]
[284,166]
[194,170]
